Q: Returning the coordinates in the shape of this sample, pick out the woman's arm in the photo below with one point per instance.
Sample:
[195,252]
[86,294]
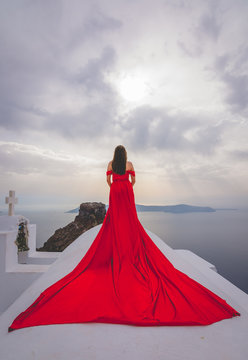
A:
[132,177]
[109,176]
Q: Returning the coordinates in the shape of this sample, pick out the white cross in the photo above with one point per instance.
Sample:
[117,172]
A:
[11,200]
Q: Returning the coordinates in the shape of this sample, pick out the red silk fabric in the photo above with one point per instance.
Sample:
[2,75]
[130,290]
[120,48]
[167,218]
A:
[125,279]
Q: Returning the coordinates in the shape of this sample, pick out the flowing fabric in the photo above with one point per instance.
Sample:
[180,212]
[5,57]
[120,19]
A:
[125,279]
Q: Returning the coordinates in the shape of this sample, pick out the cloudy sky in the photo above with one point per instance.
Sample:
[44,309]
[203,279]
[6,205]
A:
[168,79]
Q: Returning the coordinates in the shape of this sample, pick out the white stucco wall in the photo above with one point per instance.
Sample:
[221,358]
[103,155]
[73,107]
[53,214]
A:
[14,277]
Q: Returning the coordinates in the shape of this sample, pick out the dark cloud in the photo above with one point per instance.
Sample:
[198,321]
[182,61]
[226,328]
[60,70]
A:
[94,121]
[208,26]
[101,22]
[97,118]
[191,51]
[178,3]
[149,127]
[95,25]
[240,155]
[92,76]
[237,95]
[36,44]
[232,71]
[17,118]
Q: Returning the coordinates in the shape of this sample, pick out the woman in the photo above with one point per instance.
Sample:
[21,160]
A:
[120,164]
[124,278]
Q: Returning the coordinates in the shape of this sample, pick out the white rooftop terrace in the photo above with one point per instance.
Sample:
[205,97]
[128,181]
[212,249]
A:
[226,339]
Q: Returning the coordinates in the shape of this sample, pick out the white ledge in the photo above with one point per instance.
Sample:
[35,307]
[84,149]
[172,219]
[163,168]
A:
[195,259]
[28,268]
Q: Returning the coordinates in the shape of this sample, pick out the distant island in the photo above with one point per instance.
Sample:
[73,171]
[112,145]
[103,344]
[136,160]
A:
[174,209]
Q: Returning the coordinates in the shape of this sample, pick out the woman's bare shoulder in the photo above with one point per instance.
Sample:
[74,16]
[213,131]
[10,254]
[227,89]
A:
[110,165]
[130,165]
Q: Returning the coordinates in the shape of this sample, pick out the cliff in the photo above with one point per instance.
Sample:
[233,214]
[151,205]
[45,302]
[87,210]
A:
[90,215]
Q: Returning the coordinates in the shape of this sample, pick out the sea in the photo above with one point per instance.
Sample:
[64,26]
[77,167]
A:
[219,237]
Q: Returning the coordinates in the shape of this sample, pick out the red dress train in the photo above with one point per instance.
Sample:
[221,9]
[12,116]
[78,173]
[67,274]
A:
[125,279]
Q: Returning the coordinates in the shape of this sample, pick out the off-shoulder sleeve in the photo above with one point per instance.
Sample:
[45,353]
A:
[131,172]
[109,172]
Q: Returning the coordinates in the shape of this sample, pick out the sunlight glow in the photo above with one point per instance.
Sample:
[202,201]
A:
[133,88]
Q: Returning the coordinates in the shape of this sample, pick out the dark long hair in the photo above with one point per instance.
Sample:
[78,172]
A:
[119,160]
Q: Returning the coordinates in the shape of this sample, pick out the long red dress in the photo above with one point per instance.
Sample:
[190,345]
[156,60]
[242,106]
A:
[125,279]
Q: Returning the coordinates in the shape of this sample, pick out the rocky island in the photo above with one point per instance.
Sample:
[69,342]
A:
[174,209]
[90,215]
